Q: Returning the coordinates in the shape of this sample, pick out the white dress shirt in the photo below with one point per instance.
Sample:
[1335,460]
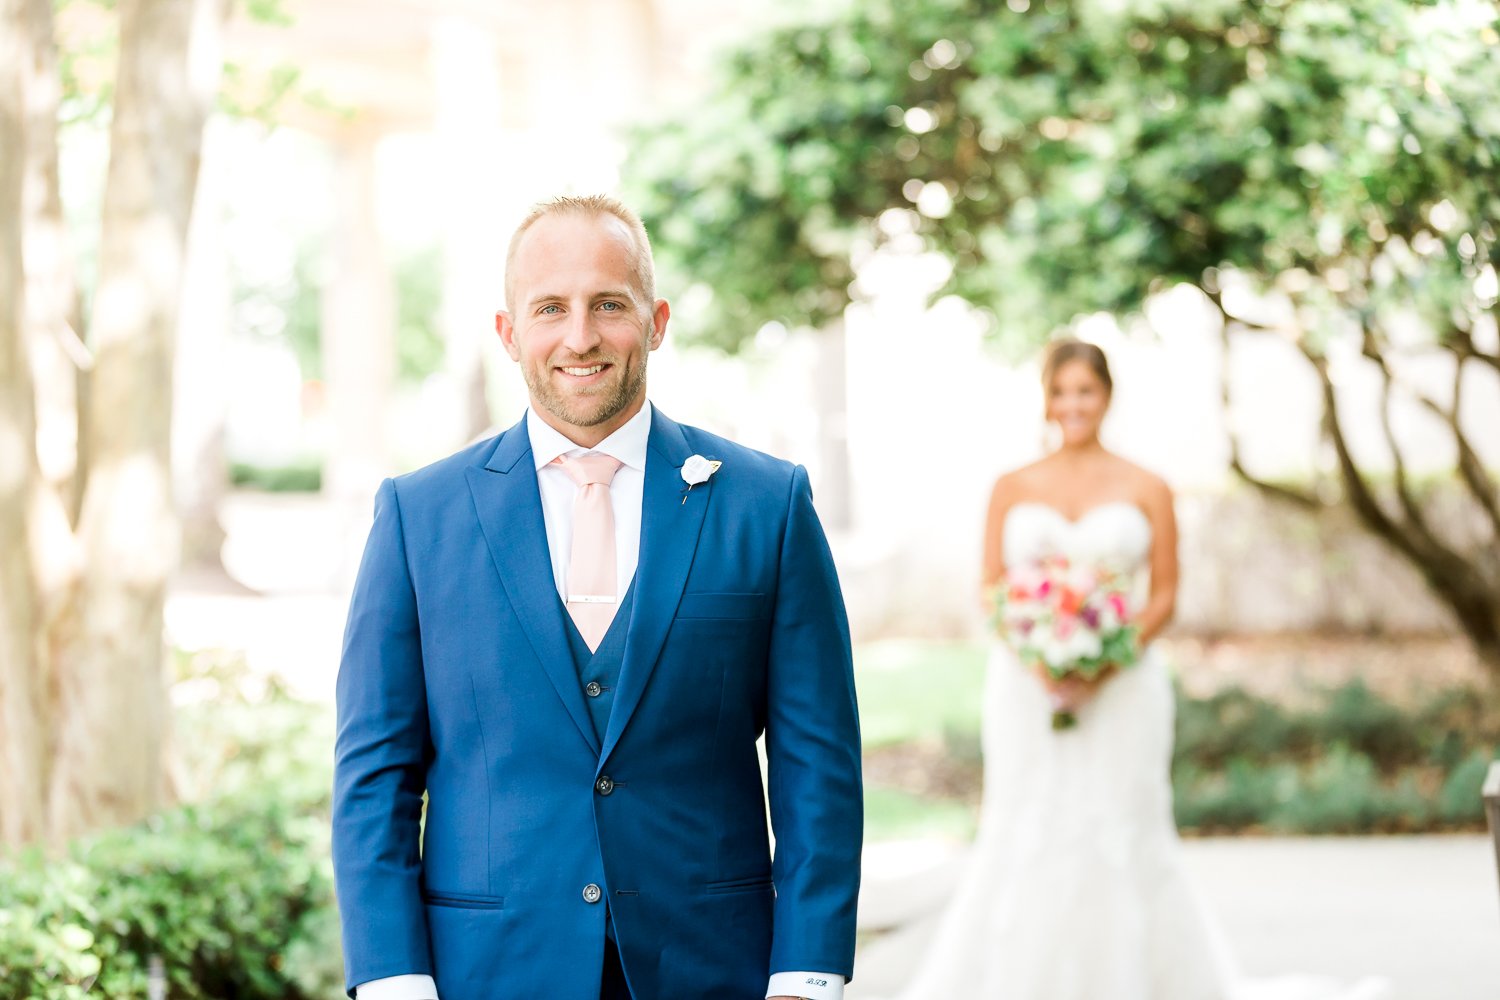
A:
[626,493]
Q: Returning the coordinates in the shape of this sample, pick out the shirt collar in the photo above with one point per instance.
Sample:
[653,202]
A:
[628,444]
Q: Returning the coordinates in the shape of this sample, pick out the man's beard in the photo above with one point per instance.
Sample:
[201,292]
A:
[588,411]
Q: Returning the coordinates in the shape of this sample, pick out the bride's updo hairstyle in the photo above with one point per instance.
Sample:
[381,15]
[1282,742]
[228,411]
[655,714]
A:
[1060,352]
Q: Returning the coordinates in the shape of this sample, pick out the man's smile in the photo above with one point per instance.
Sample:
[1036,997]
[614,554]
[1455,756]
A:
[584,375]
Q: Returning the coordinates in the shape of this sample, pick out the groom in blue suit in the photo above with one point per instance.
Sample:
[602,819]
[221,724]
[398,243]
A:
[573,666]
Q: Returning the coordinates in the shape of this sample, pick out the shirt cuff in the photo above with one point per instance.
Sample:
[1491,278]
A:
[812,985]
[397,988]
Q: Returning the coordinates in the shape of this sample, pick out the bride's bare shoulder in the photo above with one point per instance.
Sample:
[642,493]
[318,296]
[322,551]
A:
[1023,480]
[1149,488]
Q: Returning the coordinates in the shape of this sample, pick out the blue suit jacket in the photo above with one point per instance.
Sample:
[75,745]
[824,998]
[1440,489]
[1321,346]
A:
[457,681]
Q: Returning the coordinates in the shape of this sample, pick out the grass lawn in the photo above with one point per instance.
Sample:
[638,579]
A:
[914,690]
[891,814]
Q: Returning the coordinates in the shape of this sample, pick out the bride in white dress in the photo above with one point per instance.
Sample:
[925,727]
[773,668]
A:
[1074,889]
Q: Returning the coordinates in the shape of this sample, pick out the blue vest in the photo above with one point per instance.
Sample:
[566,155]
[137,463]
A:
[599,670]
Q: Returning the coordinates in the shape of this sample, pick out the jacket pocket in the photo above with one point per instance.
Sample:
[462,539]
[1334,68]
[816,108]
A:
[755,883]
[463,900]
[749,606]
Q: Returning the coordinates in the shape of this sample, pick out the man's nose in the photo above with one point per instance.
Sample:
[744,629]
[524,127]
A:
[581,336]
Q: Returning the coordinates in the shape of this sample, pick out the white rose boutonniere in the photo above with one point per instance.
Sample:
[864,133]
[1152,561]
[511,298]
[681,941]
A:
[695,470]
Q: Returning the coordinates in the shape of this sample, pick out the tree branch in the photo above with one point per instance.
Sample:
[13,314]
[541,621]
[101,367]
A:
[1216,296]
[1469,349]
[1360,496]
[1470,466]
[1287,494]
[1414,516]
[1456,579]
[73,346]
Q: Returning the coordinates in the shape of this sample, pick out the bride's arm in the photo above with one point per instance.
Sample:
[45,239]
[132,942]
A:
[1001,497]
[1162,601]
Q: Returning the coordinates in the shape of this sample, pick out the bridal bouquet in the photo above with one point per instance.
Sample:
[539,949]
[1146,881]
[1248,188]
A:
[1073,619]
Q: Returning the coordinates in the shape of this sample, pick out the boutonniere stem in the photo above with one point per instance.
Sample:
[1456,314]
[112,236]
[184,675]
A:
[695,470]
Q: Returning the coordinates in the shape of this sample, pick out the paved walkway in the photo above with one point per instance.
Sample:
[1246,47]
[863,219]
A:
[1423,912]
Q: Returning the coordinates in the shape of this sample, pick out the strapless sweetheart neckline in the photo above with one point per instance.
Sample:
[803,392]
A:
[1088,513]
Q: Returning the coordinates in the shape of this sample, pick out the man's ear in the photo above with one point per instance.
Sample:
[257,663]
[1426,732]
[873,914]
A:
[659,317]
[506,328]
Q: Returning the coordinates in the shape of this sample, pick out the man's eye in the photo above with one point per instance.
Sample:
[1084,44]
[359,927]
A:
[610,306]
[549,310]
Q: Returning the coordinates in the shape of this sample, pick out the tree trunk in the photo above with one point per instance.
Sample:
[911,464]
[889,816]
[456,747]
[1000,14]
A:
[110,673]
[22,735]
[57,353]
[59,366]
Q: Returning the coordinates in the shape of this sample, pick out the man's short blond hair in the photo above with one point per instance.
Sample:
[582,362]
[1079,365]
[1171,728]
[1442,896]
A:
[642,266]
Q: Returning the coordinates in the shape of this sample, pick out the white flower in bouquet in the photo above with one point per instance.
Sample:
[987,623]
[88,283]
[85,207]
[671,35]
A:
[1073,620]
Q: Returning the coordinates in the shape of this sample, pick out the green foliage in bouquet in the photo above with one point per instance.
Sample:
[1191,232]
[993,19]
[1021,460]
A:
[1122,648]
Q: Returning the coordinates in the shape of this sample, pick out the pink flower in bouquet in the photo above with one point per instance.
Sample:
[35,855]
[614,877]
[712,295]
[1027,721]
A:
[1071,620]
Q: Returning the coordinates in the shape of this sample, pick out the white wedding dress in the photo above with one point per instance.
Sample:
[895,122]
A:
[1074,888]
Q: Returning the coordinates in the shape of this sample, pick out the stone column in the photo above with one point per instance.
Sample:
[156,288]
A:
[358,327]
[467,127]
[200,470]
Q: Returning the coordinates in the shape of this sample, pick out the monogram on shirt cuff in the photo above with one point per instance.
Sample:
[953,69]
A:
[812,985]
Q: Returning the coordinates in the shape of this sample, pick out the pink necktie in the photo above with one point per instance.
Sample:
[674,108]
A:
[592,597]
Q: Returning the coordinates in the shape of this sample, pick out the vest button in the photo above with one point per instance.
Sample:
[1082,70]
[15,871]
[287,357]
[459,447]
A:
[593,689]
[592,893]
[605,785]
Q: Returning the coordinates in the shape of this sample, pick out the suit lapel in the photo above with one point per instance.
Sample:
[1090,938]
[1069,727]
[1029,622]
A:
[509,506]
[669,537]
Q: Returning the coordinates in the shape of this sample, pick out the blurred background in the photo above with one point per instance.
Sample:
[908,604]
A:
[251,256]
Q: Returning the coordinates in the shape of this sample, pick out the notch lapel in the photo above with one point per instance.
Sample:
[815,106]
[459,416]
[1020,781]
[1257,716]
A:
[669,537]
[509,506]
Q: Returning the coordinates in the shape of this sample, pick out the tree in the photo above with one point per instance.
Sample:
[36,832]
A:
[81,681]
[21,685]
[1320,170]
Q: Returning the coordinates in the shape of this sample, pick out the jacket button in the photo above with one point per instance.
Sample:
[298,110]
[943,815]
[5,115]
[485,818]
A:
[604,785]
[592,893]
[593,689]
